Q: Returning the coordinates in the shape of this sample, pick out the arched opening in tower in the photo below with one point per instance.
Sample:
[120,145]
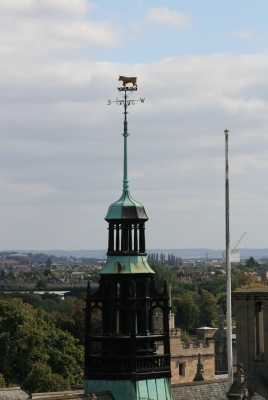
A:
[259,328]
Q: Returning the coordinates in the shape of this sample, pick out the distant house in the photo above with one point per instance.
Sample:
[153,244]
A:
[254,274]
[97,267]
[211,274]
[23,268]
[17,256]
[6,284]
[262,273]
[220,268]
[64,281]
[187,278]
[77,275]
[10,262]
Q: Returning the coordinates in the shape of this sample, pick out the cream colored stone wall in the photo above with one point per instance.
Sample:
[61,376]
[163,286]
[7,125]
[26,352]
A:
[158,321]
[184,359]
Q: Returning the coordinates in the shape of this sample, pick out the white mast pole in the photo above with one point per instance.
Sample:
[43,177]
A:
[170,305]
[228,267]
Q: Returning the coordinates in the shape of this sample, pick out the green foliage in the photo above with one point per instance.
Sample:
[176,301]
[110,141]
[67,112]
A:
[2,294]
[187,312]
[208,308]
[3,274]
[29,335]
[78,316]
[48,263]
[47,272]
[221,301]
[74,322]
[185,336]
[41,284]
[52,296]
[219,281]
[67,305]
[2,381]
[251,263]
[49,305]
[41,379]
[30,298]
[12,275]
[164,274]
[244,278]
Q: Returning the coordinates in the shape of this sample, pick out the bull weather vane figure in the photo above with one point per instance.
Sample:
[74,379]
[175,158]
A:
[126,102]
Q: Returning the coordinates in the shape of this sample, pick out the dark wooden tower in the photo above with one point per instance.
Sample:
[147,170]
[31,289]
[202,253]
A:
[122,357]
[127,299]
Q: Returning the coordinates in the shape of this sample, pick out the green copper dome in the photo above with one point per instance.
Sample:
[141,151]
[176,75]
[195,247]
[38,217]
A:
[126,208]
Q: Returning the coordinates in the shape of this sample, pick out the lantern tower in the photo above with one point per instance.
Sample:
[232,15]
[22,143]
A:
[122,357]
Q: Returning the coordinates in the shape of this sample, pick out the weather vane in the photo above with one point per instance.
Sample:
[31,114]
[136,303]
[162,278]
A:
[126,102]
[126,89]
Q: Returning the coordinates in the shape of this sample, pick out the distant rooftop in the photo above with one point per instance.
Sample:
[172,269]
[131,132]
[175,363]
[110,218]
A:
[252,290]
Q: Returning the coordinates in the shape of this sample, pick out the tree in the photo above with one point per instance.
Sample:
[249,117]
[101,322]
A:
[251,263]
[12,275]
[30,298]
[253,285]
[47,272]
[48,263]
[29,335]
[49,305]
[164,274]
[75,322]
[208,308]
[79,320]
[41,284]
[2,274]
[244,278]
[2,381]
[187,312]
[67,305]
[41,379]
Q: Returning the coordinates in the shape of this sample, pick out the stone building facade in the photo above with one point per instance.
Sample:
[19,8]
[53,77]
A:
[184,354]
[251,307]
[219,337]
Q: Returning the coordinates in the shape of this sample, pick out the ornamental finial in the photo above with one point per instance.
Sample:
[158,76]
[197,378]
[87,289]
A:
[126,102]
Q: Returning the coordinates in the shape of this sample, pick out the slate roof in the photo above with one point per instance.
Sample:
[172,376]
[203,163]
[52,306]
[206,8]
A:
[259,386]
[216,390]
[72,395]
[207,390]
[14,393]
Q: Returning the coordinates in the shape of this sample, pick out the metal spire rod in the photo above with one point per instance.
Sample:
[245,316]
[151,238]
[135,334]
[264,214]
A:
[125,134]
[125,102]
[228,266]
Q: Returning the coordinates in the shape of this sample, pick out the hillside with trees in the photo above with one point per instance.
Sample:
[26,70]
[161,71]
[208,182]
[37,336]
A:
[42,336]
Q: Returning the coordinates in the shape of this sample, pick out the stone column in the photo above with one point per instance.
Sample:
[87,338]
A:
[251,323]
[265,327]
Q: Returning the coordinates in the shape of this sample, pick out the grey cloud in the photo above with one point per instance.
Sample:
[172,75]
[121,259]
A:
[62,151]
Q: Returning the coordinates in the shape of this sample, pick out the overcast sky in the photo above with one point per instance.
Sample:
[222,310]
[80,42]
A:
[201,66]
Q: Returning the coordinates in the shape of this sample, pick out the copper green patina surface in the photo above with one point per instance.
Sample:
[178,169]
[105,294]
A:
[148,389]
[126,264]
[126,207]
[121,208]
